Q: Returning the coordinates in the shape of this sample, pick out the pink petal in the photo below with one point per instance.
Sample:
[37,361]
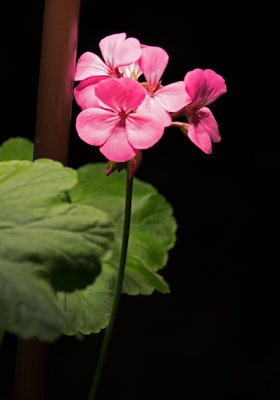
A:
[117,148]
[117,50]
[84,92]
[195,84]
[203,128]
[151,106]
[88,65]
[120,94]
[209,123]
[153,62]
[201,140]
[134,94]
[216,86]
[128,52]
[95,125]
[111,92]
[109,46]
[204,87]
[143,131]
[172,97]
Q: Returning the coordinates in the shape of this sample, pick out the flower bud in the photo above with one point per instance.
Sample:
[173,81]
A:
[182,125]
[132,165]
[113,166]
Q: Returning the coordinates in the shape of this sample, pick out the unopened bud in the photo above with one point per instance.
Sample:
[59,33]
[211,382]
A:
[113,166]
[134,164]
[182,125]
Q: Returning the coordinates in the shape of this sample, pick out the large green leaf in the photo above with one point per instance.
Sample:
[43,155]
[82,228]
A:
[46,244]
[152,234]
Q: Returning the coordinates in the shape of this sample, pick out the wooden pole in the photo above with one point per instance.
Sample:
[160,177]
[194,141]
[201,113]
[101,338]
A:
[55,92]
[52,128]
[31,368]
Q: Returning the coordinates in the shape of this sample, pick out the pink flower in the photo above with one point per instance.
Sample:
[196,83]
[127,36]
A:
[114,126]
[203,87]
[160,100]
[117,51]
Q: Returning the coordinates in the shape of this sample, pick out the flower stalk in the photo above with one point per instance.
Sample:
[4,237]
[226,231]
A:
[118,287]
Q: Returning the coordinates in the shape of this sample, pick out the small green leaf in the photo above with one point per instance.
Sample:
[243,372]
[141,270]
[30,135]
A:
[152,234]
[17,148]
[47,243]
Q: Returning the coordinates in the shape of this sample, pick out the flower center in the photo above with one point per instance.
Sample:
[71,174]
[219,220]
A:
[114,73]
[154,88]
[122,114]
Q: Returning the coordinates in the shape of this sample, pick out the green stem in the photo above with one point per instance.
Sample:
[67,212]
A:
[117,293]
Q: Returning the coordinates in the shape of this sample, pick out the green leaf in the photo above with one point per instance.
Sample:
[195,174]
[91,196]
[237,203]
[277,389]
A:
[16,149]
[29,306]
[87,311]
[153,226]
[46,244]
[152,234]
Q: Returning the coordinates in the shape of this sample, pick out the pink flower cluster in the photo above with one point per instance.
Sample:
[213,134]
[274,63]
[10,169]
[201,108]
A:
[123,116]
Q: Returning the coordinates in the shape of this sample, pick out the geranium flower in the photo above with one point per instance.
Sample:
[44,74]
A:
[117,51]
[203,87]
[114,126]
[160,100]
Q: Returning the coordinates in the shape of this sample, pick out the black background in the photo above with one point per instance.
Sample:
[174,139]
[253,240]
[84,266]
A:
[217,334]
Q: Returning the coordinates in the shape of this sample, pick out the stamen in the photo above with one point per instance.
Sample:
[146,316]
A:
[122,114]
[152,89]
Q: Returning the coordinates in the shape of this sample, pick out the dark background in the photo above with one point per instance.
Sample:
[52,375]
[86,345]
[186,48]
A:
[217,334]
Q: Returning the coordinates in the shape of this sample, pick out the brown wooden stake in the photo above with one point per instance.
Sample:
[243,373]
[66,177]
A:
[55,92]
[30,378]
[52,128]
